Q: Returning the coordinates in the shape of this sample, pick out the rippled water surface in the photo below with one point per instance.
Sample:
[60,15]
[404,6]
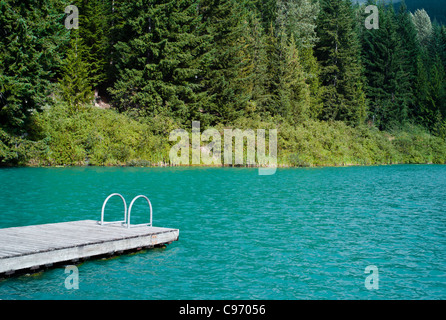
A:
[298,234]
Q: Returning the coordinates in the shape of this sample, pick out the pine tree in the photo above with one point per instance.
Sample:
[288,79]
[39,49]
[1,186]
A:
[297,91]
[31,48]
[338,51]
[75,86]
[254,53]
[437,93]
[292,92]
[94,30]
[409,54]
[298,17]
[443,41]
[156,57]
[421,111]
[268,12]
[387,71]
[430,95]
[225,81]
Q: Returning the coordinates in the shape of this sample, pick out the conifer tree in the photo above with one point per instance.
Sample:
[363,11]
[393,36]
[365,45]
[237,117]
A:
[224,81]
[292,92]
[32,37]
[338,51]
[430,109]
[156,58]
[254,52]
[268,13]
[387,71]
[298,17]
[94,21]
[296,90]
[409,52]
[75,86]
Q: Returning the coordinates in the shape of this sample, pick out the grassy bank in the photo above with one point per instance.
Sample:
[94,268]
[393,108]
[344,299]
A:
[100,137]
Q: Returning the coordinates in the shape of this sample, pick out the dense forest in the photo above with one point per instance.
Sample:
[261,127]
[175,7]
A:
[110,91]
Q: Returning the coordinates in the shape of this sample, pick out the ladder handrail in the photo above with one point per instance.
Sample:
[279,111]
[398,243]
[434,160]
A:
[103,208]
[130,210]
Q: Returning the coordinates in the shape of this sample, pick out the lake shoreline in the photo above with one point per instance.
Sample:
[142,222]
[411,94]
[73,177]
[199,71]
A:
[167,165]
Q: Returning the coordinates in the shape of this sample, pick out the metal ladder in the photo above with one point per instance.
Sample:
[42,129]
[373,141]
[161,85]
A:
[126,221]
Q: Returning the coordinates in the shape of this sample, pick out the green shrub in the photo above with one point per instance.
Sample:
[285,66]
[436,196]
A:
[100,137]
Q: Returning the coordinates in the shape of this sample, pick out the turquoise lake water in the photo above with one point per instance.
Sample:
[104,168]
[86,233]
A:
[298,234]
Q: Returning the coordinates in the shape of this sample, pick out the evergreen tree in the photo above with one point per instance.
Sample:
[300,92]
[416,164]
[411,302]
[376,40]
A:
[296,93]
[338,51]
[254,52]
[298,17]
[268,13]
[443,41]
[430,95]
[387,71]
[292,92]
[32,37]
[75,86]
[225,81]
[437,93]
[409,53]
[94,31]
[156,57]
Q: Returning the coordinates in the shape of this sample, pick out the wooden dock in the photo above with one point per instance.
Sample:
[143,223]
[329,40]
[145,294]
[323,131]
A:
[31,247]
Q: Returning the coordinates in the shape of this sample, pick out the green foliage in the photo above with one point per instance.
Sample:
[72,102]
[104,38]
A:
[158,58]
[387,70]
[306,67]
[225,80]
[94,20]
[94,136]
[322,143]
[75,86]
[19,151]
[338,52]
[31,42]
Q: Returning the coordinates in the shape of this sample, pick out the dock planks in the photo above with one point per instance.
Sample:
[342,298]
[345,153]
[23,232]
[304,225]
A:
[33,246]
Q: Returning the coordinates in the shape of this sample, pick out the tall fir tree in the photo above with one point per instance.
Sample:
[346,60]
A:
[387,71]
[94,26]
[409,54]
[224,80]
[156,57]
[268,13]
[338,52]
[291,95]
[430,109]
[75,85]
[254,52]
[32,40]
[298,17]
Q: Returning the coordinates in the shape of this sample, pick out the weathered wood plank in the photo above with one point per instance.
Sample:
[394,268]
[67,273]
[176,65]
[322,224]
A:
[32,246]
